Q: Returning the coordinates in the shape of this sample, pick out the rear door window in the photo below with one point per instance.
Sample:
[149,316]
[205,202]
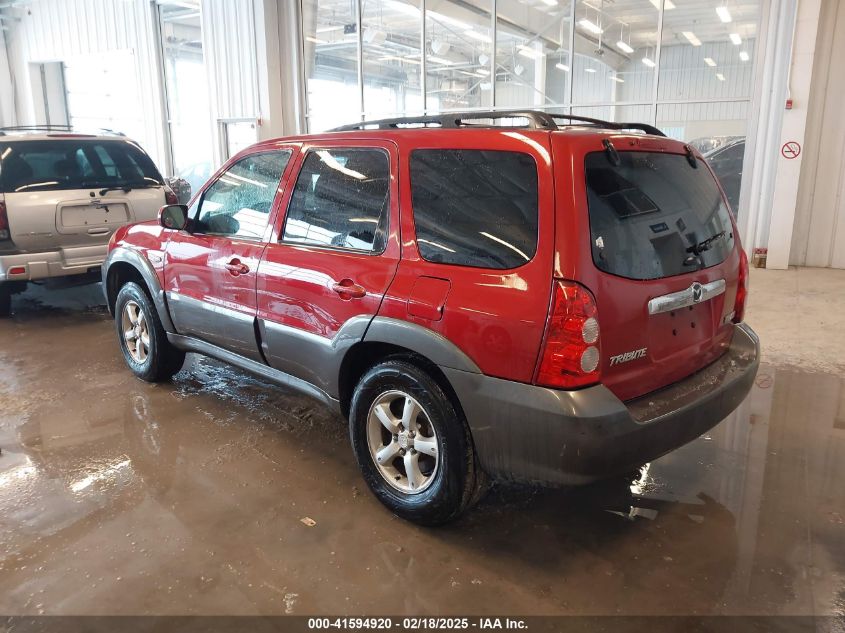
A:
[341,200]
[55,164]
[475,207]
[653,215]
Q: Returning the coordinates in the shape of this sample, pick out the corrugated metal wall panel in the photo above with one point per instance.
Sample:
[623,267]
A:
[55,30]
[230,56]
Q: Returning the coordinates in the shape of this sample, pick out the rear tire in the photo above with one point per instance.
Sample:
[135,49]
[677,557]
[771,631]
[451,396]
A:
[5,300]
[142,338]
[412,444]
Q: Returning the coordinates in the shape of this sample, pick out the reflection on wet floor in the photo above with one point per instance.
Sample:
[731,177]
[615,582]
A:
[119,497]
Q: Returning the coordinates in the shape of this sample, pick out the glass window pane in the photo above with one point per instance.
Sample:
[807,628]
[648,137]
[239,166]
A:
[186,85]
[330,28]
[640,113]
[532,54]
[711,128]
[654,215]
[459,43]
[707,49]
[240,201]
[475,208]
[615,51]
[341,200]
[392,31]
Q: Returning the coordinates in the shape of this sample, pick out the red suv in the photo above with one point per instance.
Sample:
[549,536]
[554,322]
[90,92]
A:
[528,296]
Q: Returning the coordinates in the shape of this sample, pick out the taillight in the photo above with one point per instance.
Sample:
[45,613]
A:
[571,349]
[170,197]
[4,222]
[741,288]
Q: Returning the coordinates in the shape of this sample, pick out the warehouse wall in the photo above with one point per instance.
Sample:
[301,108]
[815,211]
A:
[68,30]
[818,237]
[8,115]
[59,30]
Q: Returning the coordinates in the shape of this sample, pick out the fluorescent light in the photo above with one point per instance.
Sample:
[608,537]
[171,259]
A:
[736,39]
[482,72]
[563,67]
[709,61]
[648,62]
[720,76]
[692,38]
[526,51]
[724,14]
[743,56]
[618,80]
[478,36]
[668,6]
[589,70]
[624,46]
[592,27]
[551,3]
[439,60]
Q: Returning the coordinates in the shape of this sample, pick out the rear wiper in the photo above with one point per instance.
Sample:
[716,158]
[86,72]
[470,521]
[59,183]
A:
[128,188]
[700,247]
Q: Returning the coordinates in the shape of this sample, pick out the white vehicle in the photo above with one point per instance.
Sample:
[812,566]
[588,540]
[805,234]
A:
[62,195]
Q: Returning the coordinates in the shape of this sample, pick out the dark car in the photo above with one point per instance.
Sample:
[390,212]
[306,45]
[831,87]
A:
[726,161]
[556,301]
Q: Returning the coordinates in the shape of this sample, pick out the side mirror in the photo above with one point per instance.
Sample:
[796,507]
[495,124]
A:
[173,216]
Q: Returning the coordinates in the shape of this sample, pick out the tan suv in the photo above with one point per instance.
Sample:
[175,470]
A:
[62,195]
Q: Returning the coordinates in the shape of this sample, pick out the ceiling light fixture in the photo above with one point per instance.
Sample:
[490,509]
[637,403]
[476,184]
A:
[736,39]
[724,14]
[527,51]
[720,76]
[743,56]
[624,46]
[691,38]
[478,36]
[551,3]
[592,27]
[589,70]
[648,62]
[709,61]
[668,6]
[618,80]
[562,67]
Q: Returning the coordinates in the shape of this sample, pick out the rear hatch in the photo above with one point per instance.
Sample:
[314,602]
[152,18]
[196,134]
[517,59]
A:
[72,191]
[662,260]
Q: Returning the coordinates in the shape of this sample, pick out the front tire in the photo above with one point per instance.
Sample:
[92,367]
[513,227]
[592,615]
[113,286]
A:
[143,340]
[412,444]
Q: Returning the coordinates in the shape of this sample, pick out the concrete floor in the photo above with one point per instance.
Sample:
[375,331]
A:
[119,497]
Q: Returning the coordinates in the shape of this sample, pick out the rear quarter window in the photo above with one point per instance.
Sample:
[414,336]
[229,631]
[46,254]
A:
[475,207]
[653,215]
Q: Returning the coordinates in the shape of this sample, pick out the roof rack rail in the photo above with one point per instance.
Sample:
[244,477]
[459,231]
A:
[536,119]
[52,128]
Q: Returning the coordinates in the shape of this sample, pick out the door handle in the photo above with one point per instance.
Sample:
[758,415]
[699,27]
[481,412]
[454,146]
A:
[237,267]
[348,289]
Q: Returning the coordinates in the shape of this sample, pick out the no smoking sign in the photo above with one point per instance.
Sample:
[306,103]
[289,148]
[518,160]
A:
[790,150]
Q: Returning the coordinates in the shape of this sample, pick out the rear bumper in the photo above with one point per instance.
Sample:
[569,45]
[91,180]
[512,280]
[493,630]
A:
[48,264]
[529,433]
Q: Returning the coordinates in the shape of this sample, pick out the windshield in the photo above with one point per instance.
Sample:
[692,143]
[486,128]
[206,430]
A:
[653,215]
[70,163]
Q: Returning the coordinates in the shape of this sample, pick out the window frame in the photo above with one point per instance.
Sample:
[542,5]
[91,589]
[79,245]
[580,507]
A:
[537,172]
[194,218]
[294,179]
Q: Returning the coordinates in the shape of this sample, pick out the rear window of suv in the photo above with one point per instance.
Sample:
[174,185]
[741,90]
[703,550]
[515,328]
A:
[653,215]
[46,165]
[475,207]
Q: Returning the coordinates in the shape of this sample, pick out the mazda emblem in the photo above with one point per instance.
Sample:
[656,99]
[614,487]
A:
[697,292]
